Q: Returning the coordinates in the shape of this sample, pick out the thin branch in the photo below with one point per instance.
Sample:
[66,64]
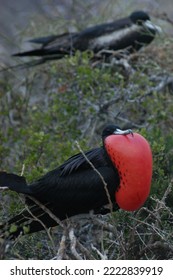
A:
[43,225]
[84,251]
[104,224]
[103,257]
[23,169]
[166,81]
[158,245]
[73,244]
[101,177]
[46,210]
[62,247]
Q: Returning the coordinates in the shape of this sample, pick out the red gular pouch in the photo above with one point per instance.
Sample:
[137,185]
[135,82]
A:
[132,157]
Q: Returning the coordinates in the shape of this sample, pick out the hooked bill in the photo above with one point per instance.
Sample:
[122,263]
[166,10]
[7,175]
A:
[132,157]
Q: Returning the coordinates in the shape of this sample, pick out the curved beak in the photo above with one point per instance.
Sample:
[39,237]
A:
[151,25]
[123,132]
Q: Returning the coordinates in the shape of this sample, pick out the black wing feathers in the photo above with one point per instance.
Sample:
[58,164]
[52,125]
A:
[105,28]
[95,156]
[14,182]
[69,42]
[75,185]
[71,189]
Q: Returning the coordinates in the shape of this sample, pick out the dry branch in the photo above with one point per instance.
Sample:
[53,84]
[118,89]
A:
[101,177]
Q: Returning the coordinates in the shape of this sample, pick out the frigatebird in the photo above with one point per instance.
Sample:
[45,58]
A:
[123,178]
[128,34]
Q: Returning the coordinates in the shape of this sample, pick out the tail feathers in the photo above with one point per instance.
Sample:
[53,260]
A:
[34,62]
[26,222]
[14,182]
[36,52]
[43,40]
[32,219]
[49,54]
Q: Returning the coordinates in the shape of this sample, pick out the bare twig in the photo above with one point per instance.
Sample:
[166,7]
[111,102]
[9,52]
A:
[73,244]
[23,169]
[103,257]
[166,81]
[62,247]
[84,251]
[46,210]
[43,225]
[104,224]
[158,245]
[101,177]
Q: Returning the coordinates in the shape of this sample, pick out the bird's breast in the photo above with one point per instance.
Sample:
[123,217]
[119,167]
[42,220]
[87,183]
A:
[131,155]
[109,38]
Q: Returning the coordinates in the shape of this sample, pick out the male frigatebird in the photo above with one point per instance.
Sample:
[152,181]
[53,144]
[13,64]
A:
[122,180]
[128,34]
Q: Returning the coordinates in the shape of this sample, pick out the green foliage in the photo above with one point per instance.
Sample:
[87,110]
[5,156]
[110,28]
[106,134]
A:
[57,103]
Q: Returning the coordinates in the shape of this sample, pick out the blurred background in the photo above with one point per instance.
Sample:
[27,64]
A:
[40,17]
[45,109]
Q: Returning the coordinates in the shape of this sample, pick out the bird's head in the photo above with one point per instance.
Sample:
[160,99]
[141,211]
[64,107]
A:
[142,19]
[138,17]
[114,130]
[131,155]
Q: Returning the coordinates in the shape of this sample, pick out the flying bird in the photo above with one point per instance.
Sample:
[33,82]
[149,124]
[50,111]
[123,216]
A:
[128,34]
[123,178]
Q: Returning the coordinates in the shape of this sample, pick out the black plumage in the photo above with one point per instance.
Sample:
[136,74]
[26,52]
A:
[72,188]
[128,34]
